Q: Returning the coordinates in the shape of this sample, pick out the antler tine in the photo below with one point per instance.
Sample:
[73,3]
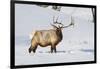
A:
[53,19]
[72,21]
[57,19]
[61,23]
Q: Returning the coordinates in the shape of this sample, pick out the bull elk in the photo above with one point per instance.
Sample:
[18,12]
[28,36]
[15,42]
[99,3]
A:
[49,37]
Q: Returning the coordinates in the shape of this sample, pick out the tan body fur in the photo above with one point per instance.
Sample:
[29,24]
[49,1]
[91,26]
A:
[46,38]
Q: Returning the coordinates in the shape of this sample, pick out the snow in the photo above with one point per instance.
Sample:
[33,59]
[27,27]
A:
[43,55]
[77,44]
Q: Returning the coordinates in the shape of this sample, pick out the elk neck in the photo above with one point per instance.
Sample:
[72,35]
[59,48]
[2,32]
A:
[59,33]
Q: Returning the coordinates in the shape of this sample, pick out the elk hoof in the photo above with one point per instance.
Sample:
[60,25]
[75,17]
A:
[34,51]
[29,50]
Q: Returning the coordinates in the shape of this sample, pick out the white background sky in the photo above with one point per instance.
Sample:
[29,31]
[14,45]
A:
[29,18]
[5,34]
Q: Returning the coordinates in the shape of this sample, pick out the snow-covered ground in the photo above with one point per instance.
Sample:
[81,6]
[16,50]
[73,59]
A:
[77,44]
[66,53]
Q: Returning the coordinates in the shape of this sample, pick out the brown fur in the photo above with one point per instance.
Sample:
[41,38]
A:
[46,38]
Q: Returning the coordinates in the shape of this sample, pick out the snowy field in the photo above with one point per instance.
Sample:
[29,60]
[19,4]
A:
[77,44]
[66,53]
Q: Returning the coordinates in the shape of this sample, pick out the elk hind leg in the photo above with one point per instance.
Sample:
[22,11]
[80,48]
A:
[53,48]
[34,49]
[30,49]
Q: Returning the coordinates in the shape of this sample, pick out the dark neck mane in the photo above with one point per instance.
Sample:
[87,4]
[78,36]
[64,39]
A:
[59,33]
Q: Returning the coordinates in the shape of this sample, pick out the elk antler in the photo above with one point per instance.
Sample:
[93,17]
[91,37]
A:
[56,22]
[72,23]
[62,26]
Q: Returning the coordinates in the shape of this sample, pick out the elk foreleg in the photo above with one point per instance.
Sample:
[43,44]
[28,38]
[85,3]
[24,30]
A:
[53,48]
